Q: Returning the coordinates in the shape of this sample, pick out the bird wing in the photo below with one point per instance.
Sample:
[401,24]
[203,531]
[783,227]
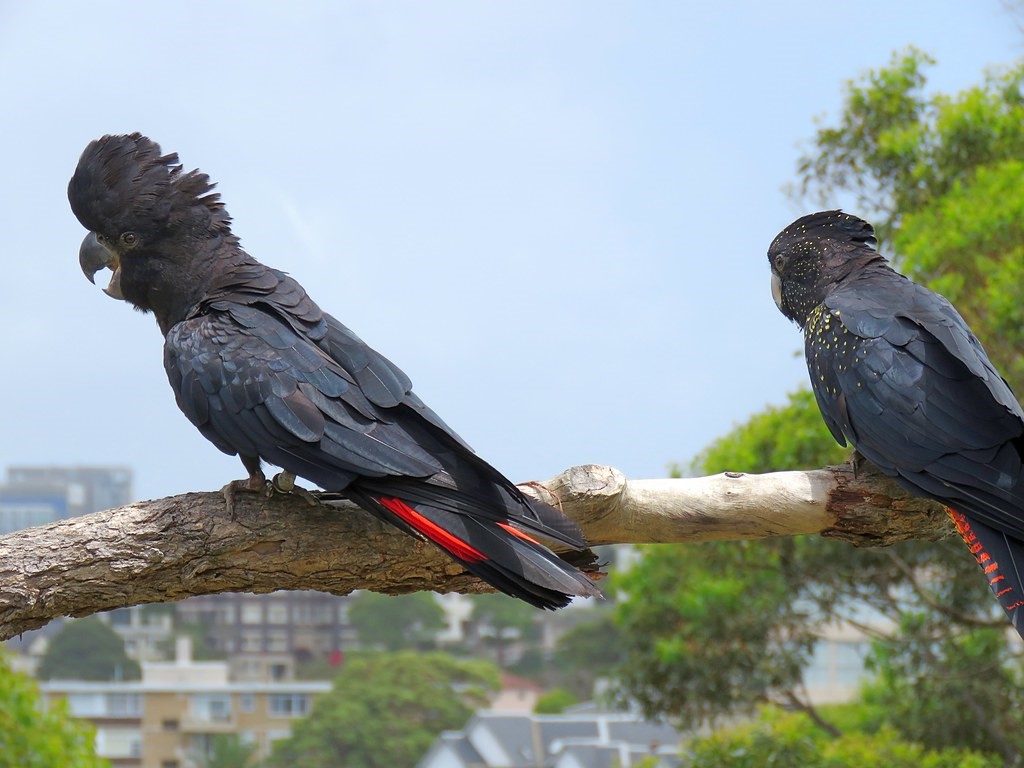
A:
[255,387]
[261,371]
[915,392]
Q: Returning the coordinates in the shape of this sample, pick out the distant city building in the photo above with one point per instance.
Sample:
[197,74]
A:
[33,496]
[170,718]
[306,625]
[517,694]
[145,629]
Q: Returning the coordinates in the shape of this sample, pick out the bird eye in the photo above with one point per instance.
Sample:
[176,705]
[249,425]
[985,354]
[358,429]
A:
[779,261]
[129,238]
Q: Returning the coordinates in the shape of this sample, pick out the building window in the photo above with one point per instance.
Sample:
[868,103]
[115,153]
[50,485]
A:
[211,708]
[122,617]
[277,640]
[247,702]
[252,613]
[124,705]
[288,704]
[321,614]
[252,640]
[277,613]
[114,742]
[169,725]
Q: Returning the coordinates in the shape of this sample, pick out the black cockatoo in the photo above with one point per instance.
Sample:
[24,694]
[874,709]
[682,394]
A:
[265,374]
[899,375]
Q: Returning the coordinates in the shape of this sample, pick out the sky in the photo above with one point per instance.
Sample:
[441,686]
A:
[552,215]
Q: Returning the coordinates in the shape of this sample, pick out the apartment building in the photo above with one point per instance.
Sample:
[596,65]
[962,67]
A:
[306,625]
[36,495]
[170,717]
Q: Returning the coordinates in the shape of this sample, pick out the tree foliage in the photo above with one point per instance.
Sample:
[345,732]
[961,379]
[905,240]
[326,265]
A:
[501,620]
[791,436]
[717,628]
[555,702]
[385,710]
[87,649]
[591,650]
[32,736]
[227,750]
[793,741]
[393,622]
[940,176]
[696,636]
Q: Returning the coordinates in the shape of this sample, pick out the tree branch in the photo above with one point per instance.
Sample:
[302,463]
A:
[173,548]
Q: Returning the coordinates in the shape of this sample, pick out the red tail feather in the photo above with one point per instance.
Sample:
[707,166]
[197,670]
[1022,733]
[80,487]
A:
[520,534]
[444,539]
[1001,586]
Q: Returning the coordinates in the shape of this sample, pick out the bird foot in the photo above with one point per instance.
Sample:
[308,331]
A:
[860,464]
[252,484]
[284,482]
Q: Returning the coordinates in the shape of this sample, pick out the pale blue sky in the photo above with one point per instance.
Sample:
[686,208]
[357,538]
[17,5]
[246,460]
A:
[552,215]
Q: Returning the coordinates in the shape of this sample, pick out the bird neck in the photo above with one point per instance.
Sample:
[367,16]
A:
[172,281]
[804,300]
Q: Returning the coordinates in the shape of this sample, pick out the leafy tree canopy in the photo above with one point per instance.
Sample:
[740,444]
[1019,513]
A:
[87,649]
[940,177]
[591,650]
[385,710]
[555,702]
[393,622]
[32,736]
[227,750]
[793,741]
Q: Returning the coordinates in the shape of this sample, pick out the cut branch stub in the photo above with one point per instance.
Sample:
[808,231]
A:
[874,511]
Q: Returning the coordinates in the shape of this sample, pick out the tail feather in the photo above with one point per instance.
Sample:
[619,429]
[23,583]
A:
[506,558]
[1001,558]
[484,501]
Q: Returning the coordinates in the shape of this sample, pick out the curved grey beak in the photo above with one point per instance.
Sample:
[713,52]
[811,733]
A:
[94,256]
[777,290]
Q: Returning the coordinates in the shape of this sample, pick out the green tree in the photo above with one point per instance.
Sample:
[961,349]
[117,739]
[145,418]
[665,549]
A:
[393,622]
[555,702]
[502,620]
[794,741]
[591,650]
[940,176]
[717,628]
[32,736]
[385,710]
[227,750]
[791,436]
[87,649]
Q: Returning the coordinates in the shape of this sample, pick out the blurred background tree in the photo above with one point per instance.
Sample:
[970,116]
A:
[717,629]
[87,649]
[393,622]
[34,736]
[386,709]
[501,621]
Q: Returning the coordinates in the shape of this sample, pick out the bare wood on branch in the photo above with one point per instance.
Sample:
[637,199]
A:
[187,545]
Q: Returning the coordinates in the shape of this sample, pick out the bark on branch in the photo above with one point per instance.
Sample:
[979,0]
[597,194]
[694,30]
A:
[177,547]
